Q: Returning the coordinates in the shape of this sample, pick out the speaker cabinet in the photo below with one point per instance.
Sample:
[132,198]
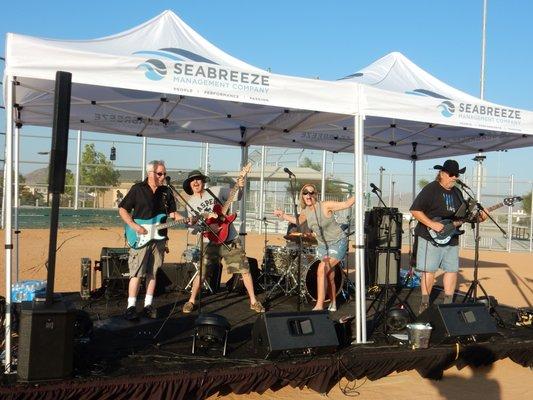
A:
[114,263]
[453,321]
[58,153]
[376,267]
[294,333]
[378,223]
[85,284]
[45,341]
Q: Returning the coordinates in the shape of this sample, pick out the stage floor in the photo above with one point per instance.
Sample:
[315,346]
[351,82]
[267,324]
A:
[123,359]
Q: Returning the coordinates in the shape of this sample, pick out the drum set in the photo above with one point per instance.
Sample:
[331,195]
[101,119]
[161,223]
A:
[280,269]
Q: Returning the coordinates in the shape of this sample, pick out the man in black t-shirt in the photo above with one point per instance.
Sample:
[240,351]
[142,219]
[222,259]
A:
[146,200]
[439,199]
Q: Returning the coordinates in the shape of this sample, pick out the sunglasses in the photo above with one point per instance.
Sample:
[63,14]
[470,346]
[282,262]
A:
[451,175]
[306,192]
[160,173]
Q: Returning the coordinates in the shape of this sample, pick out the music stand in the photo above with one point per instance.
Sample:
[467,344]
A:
[388,296]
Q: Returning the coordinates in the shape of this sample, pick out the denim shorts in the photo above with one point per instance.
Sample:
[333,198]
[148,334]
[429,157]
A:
[335,250]
[430,257]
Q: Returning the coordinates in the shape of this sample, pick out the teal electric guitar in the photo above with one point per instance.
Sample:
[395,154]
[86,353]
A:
[152,226]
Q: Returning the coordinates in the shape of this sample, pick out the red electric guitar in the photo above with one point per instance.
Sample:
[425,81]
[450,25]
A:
[221,223]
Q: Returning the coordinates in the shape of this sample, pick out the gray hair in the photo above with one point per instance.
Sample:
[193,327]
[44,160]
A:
[152,165]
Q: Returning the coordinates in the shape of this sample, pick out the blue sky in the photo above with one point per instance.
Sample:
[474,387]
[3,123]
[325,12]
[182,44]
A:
[327,39]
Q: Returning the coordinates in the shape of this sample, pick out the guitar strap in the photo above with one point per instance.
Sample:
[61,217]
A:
[214,196]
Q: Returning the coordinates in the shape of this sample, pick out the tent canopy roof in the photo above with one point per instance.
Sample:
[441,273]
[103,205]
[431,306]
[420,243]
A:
[410,114]
[162,79]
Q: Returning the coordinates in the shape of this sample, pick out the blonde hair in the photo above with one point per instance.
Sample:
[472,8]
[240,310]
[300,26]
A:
[307,185]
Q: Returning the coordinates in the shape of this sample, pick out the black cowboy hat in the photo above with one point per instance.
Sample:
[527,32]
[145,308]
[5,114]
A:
[451,166]
[195,174]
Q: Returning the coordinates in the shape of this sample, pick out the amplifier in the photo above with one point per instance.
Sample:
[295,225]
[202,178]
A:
[114,263]
[379,223]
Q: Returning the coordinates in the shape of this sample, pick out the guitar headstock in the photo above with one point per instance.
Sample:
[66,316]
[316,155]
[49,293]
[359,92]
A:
[509,201]
[244,171]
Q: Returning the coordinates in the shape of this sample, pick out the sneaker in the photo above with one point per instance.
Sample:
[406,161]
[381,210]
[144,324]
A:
[150,312]
[332,307]
[257,307]
[131,314]
[188,307]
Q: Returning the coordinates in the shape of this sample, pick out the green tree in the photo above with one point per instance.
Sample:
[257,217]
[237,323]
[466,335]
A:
[308,163]
[422,183]
[97,171]
[27,198]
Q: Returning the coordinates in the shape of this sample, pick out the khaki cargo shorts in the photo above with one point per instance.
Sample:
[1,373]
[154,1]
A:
[234,258]
[147,260]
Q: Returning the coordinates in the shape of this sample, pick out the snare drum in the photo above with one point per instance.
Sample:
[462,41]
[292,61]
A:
[277,259]
[309,274]
[191,254]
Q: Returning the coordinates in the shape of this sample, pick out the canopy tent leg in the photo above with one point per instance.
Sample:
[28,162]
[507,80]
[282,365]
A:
[262,184]
[8,166]
[360,298]
[242,203]
[77,177]
[323,183]
[16,196]
[143,166]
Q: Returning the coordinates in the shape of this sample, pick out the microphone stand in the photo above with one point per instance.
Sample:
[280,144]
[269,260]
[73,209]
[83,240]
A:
[471,293]
[203,228]
[300,242]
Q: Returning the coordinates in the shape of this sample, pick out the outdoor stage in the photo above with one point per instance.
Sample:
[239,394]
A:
[120,359]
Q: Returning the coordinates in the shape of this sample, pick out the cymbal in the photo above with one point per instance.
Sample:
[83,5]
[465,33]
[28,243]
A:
[295,236]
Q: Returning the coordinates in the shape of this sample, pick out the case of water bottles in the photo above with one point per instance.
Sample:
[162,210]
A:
[27,290]
[409,278]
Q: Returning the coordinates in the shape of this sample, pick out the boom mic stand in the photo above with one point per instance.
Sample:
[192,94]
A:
[471,293]
[387,296]
[300,241]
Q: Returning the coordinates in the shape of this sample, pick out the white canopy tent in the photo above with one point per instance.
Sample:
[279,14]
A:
[161,80]
[403,104]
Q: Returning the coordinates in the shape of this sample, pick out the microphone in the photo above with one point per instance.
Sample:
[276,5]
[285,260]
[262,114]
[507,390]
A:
[375,188]
[288,171]
[462,184]
[167,178]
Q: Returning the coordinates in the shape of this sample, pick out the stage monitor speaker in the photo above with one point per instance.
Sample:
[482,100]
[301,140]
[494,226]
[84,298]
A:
[85,284]
[378,223]
[59,150]
[376,267]
[294,333]
[453,321]
[45,341]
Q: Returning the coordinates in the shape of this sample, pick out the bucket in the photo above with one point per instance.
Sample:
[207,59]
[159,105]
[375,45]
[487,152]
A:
[419,335]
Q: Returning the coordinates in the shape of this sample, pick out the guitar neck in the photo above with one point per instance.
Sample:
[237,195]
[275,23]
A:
[494,207]
[231,196]
[171,224]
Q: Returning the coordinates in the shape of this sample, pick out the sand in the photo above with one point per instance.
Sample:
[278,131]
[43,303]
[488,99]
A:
[507,276]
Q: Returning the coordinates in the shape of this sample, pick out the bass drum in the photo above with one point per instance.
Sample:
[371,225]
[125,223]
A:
[309,273]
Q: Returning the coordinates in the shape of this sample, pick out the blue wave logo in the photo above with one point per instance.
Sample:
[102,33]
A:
[155,69]
[446,108]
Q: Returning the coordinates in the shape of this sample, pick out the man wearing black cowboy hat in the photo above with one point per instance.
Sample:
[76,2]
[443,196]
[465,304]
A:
[439,199]
[203,200]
